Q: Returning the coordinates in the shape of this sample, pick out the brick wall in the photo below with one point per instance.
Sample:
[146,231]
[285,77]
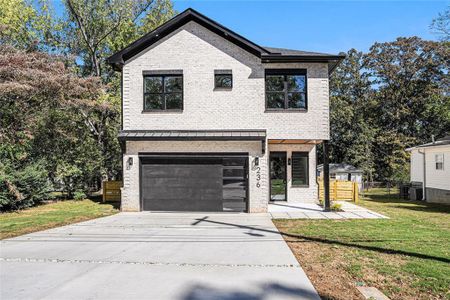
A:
[258,195]
[198,52]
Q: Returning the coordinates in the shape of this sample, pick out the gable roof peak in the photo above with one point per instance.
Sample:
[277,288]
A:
[267,55]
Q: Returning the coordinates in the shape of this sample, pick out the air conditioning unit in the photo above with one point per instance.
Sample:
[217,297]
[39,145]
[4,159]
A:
[416,194]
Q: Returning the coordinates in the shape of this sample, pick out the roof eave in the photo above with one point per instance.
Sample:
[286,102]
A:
[118,59]
[332,60]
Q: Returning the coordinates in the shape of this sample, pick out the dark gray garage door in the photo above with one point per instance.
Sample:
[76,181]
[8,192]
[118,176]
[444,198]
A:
[194,183]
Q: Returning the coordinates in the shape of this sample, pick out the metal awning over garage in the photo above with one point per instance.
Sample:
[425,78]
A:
[202,135]
[194,135]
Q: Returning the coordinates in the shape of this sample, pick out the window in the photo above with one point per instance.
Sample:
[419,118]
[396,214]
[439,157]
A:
[286,89]
[163,92]
[223,79]
[300,174]
[439,159]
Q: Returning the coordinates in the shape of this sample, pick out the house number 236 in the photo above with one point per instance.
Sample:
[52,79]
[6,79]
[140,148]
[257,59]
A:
[258,177]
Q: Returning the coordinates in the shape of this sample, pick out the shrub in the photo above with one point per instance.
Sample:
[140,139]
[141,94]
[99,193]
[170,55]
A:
[336,207]
[22,187]
[79,195]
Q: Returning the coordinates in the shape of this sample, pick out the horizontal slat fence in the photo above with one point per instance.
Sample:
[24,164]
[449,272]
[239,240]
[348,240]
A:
[340,190]
[111,190]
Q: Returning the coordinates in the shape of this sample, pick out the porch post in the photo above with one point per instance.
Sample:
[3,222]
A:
[326,175]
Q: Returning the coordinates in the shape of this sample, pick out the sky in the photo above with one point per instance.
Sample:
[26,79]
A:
[322,26]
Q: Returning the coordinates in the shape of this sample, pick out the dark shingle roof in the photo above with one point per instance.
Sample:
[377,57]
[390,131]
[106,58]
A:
[284,51]
[267,54]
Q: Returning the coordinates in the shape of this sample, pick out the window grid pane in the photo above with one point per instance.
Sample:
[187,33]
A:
[300,172]
[223,81]
[163,92]
[296,83]
[275,83]
[286,91]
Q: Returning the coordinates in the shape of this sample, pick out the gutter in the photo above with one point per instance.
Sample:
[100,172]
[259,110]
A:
[424,184]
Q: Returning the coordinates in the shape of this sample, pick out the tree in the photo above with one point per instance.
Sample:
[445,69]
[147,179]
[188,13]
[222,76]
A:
[352,130]
[28,25]
[47,116]
[441,25]
[410,77]
[97,28]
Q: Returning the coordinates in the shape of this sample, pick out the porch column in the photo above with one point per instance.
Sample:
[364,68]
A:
[326,175]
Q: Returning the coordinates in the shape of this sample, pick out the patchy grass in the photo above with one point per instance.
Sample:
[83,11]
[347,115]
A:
[51,215]
[406,257]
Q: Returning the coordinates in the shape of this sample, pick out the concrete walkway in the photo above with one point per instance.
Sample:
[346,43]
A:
[288,210]
[154,256]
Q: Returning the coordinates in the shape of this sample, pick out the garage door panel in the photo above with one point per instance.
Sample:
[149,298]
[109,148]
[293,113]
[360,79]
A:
[234,183]
[234,193]
[185,193]
[199,183]
[234,206]
[194,183]
[180,205]
[189,171]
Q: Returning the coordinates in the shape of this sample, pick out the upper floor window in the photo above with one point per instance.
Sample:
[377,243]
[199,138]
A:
[163,92]
[439,159]
[223,79]
[286,89]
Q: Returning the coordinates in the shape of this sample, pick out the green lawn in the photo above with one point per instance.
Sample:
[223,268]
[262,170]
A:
[51,215]
[406,256]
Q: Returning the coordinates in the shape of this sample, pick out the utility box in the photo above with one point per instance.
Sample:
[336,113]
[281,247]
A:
[415,194]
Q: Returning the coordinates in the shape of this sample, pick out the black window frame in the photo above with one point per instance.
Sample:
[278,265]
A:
[285,73]
[163,76]
[222,73]
[302,154]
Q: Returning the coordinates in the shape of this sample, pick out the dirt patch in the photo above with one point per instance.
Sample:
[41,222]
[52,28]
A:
[327,274]
[335,272]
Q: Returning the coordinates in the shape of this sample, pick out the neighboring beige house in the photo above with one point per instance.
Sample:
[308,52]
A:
[214,122]
[430,169]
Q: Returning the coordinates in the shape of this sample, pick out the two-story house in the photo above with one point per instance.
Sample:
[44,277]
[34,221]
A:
[214,122]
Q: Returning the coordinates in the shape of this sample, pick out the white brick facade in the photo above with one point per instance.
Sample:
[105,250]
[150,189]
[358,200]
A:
[198,52]
[259,196]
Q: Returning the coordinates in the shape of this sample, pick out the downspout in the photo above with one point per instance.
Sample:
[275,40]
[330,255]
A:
[424,190]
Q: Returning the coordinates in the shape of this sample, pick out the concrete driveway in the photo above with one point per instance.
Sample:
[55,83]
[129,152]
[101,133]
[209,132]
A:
[154,256]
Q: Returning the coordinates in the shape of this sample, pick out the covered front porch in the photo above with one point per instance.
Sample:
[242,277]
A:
[293,171]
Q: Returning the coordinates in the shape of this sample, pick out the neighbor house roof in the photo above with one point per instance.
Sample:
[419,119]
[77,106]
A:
[440,142]
[267,54]
[341,168]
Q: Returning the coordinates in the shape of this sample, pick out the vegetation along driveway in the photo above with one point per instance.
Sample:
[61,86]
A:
[155,256]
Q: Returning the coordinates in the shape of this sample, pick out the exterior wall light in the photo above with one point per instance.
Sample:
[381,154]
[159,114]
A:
[129,162]
[256,161]
[289,161]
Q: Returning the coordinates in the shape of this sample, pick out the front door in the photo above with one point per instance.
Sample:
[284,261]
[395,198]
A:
[278,176]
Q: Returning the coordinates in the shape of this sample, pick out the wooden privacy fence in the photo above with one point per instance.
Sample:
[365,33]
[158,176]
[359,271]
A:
[341,190]
[111,190]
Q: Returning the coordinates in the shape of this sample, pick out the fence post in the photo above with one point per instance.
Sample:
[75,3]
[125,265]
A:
[326,176]
[335,186]
[104,191]
[355,192]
